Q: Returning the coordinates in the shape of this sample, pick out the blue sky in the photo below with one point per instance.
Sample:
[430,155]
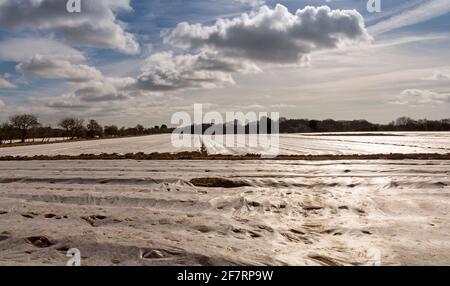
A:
[130,62]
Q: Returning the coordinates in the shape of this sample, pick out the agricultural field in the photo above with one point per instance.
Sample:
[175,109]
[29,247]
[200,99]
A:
[289,144]
[222,212]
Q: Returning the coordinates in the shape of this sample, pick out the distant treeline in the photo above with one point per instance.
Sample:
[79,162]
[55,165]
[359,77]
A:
[26,126]
[329,125]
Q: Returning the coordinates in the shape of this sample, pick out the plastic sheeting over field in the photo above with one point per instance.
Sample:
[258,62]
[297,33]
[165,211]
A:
[289,144]
[276,213]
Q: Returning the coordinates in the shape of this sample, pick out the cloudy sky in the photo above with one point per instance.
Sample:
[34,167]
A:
[139,61]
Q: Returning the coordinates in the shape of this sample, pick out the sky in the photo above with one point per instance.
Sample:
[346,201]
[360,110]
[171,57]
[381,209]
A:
[126,62]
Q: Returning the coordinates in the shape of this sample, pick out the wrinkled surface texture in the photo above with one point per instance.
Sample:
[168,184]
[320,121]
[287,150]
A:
[281,212]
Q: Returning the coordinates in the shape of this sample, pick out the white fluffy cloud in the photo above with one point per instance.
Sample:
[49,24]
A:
[97,25]
[422,97]
[88,83]
[4,84]
[273,35]
[2,105]
[62,102]
[47,67]
[107,89]
[212,55]
[438,76]
[18,49]
[252,3]
[84,94]
[164,71]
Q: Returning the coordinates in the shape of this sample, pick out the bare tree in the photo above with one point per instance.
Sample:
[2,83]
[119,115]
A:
[94,129]
[140,129]
[23,123]
[404,121]
[73,126]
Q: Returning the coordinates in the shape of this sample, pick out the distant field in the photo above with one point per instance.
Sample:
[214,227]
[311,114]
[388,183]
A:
[145,144]
[37,140]
[290,144]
